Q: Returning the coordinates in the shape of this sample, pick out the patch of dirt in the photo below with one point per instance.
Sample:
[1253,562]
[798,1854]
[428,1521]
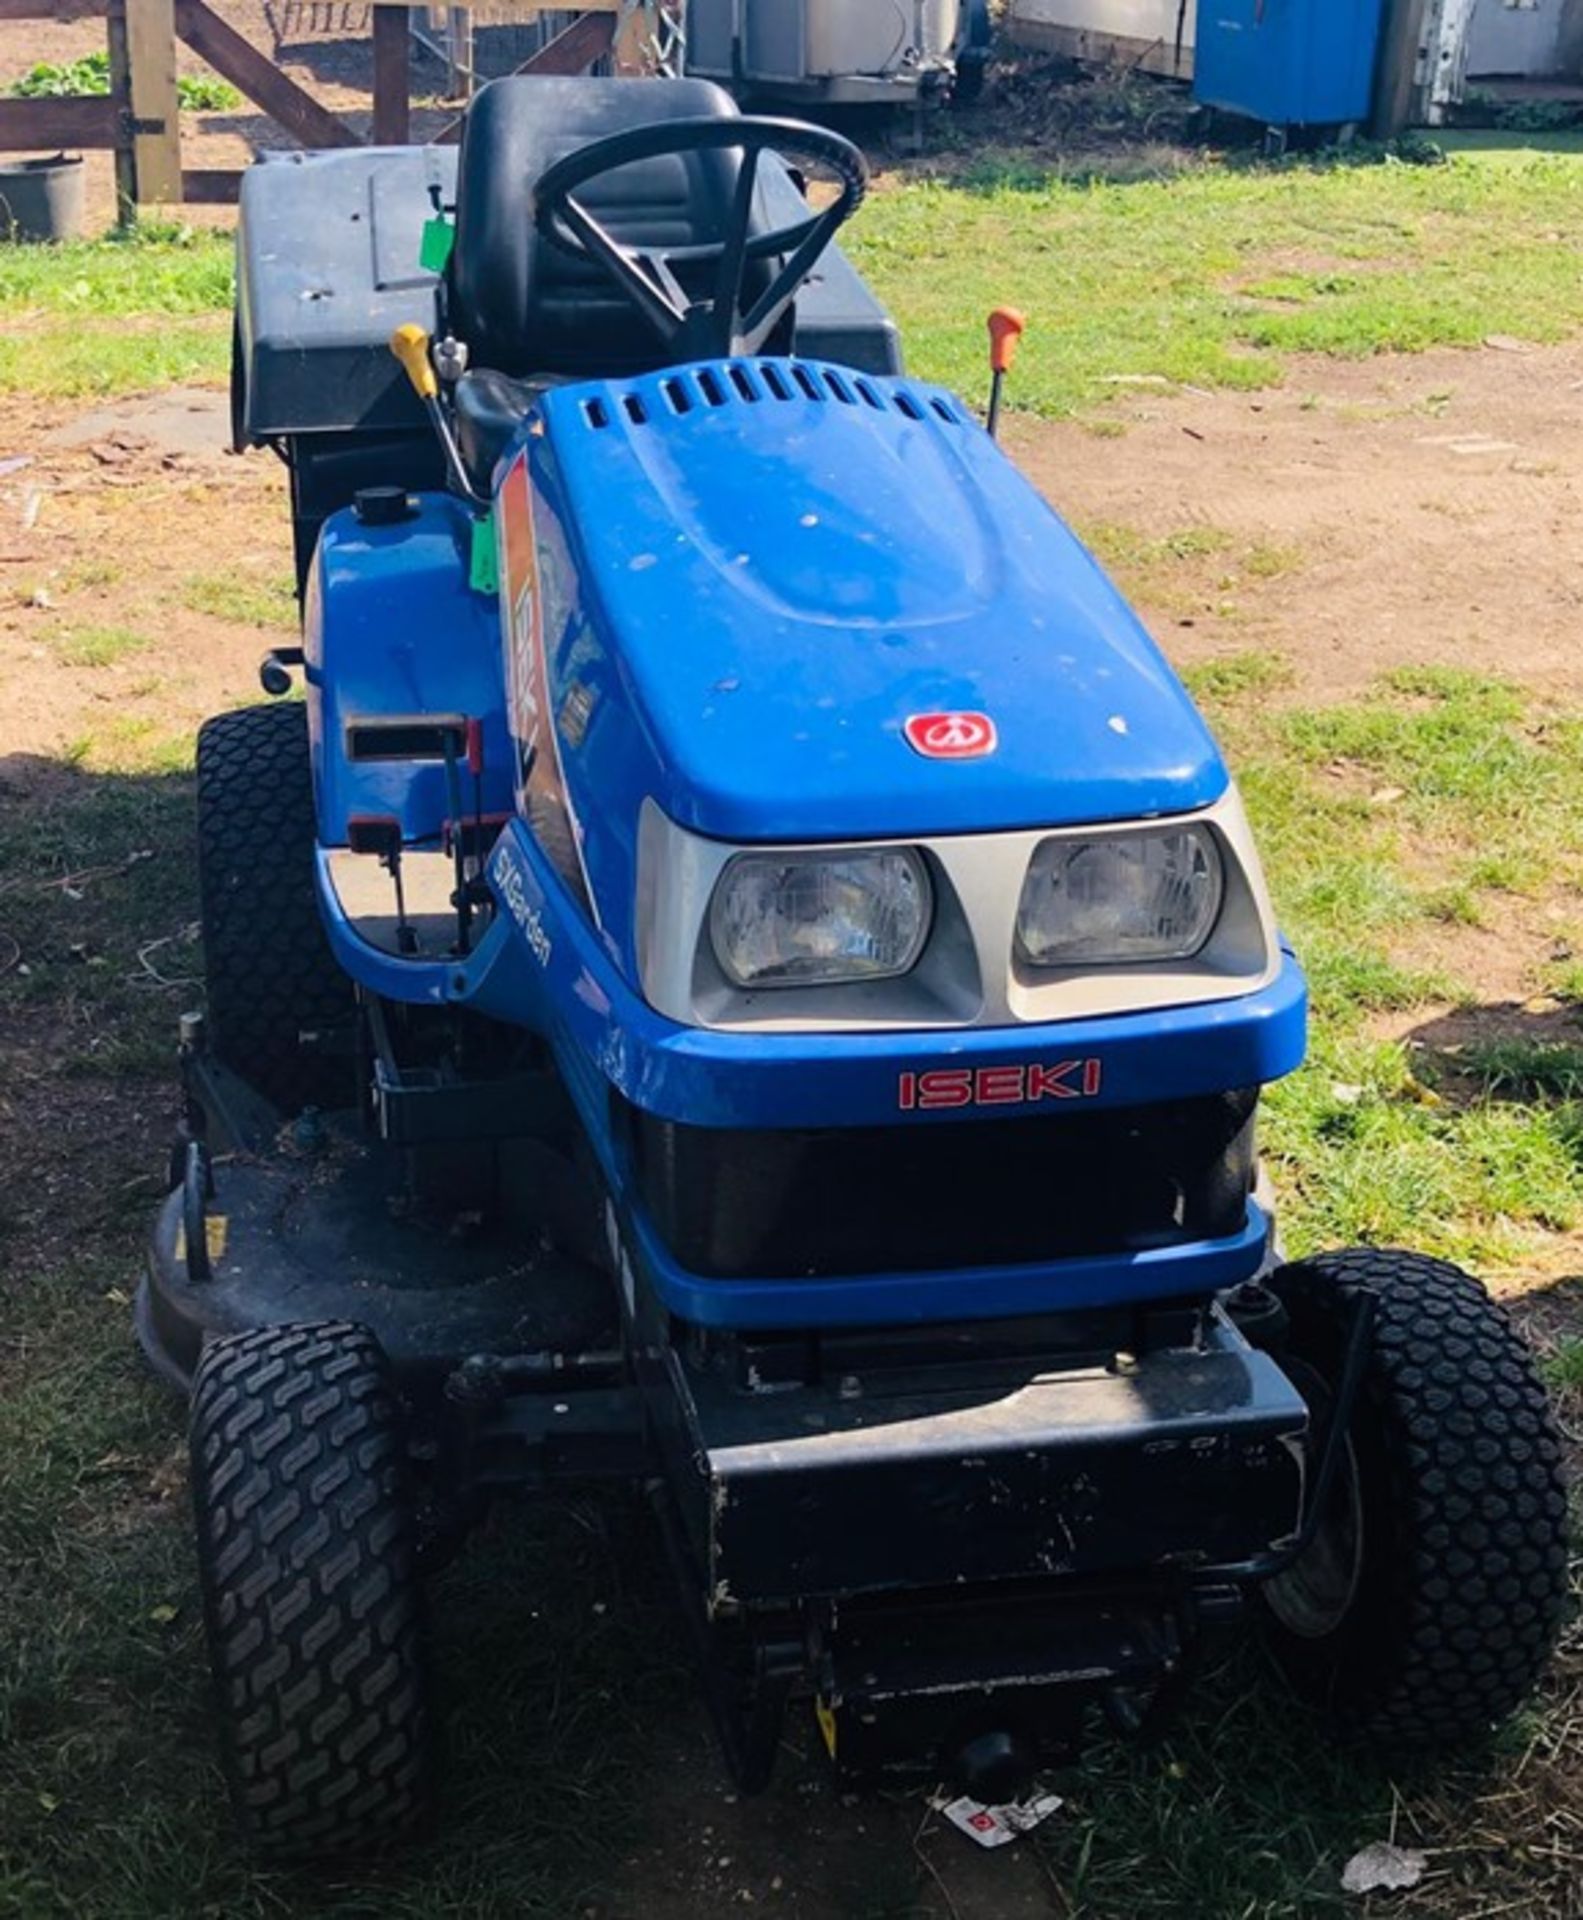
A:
[108,525]
[1432,504]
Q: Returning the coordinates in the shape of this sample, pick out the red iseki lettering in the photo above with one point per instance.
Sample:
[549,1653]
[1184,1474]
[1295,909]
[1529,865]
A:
[1009,1086]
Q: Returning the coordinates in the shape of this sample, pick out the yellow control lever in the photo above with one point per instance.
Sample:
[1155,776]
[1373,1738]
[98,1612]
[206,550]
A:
[410,345]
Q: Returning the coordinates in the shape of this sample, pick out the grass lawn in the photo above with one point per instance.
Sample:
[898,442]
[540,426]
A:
[1209,276]
[1441,804]
[122,315]
[1443,799]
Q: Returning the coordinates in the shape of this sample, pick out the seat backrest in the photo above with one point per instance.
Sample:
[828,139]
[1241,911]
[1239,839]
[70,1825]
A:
[522,304]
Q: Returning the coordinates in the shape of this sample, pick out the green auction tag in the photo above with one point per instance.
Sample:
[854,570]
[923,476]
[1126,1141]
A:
[483,574]
[439,236]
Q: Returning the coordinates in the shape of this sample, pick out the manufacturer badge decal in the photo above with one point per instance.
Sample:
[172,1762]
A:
[513,887]
[1006,1086]
[951,736]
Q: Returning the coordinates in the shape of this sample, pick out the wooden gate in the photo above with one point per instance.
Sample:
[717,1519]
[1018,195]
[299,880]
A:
[139,120]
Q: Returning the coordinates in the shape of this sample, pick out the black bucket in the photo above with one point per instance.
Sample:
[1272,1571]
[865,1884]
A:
[42,199]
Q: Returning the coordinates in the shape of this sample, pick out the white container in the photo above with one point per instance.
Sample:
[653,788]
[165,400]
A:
[1156,35]
[836,49]
[875,37]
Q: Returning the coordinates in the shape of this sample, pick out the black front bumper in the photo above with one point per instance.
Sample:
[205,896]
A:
[1182,1459]
[961,1559]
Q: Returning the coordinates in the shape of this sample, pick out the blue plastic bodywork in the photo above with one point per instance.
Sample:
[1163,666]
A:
[1288,62]
[749,597]
[391,628]
[544,966]
[738,600]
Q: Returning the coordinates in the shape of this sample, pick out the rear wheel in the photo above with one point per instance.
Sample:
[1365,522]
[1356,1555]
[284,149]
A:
[272,979]
[1428,1604]
[307,1564]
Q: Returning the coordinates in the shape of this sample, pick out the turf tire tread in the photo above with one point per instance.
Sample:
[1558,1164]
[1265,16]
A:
[311,1599]
[271,973]
[1479,1579]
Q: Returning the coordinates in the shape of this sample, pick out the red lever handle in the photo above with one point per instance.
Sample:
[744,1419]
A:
[1006,328]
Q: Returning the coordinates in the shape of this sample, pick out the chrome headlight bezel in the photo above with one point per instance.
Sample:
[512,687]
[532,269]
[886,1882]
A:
[1167,887]
[969,973]
[783,875]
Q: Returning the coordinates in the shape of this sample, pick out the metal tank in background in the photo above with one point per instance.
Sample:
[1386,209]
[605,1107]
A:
[841,52]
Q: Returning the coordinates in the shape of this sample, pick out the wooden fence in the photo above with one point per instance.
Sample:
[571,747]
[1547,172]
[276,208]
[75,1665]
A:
[139,119]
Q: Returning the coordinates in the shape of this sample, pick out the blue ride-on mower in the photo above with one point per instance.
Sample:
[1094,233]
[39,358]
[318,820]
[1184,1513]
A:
[746,974]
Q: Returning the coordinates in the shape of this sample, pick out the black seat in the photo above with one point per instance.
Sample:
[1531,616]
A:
[490,407]
[523,305]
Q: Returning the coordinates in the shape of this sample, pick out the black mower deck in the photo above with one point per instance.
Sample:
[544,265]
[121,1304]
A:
[332,1237]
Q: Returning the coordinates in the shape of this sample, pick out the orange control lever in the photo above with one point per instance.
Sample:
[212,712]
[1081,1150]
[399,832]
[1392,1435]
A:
[1006,328]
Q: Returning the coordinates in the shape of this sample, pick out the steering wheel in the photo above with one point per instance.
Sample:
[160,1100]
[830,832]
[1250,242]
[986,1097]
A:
[717,327]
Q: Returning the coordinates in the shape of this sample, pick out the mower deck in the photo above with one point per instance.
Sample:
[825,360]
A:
[332,1237]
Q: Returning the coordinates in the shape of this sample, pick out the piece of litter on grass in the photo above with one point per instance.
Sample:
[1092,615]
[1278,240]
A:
[1387,796]
[163,1614]
[997,1826]
[1382,1868]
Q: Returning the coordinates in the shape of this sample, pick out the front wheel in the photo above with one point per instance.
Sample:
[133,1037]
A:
[307,1563]
[1427,1606]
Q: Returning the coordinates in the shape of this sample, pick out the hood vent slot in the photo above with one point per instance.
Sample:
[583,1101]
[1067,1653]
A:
[751,382]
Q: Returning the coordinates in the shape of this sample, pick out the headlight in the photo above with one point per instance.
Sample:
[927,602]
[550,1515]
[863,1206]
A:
[808,919]
[1121,897]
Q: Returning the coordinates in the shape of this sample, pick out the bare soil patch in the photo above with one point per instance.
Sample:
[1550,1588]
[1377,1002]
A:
[1431,504]
[107,526]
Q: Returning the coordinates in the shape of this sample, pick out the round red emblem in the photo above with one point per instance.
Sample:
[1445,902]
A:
[951,736]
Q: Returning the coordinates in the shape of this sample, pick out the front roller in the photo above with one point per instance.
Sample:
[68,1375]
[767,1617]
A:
[306,1558]
[1427,1606]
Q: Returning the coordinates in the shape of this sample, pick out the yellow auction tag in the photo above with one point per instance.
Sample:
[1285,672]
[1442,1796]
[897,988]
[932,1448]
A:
[215,1231]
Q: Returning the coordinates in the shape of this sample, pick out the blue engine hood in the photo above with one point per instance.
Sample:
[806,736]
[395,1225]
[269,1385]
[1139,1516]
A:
[781,582]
